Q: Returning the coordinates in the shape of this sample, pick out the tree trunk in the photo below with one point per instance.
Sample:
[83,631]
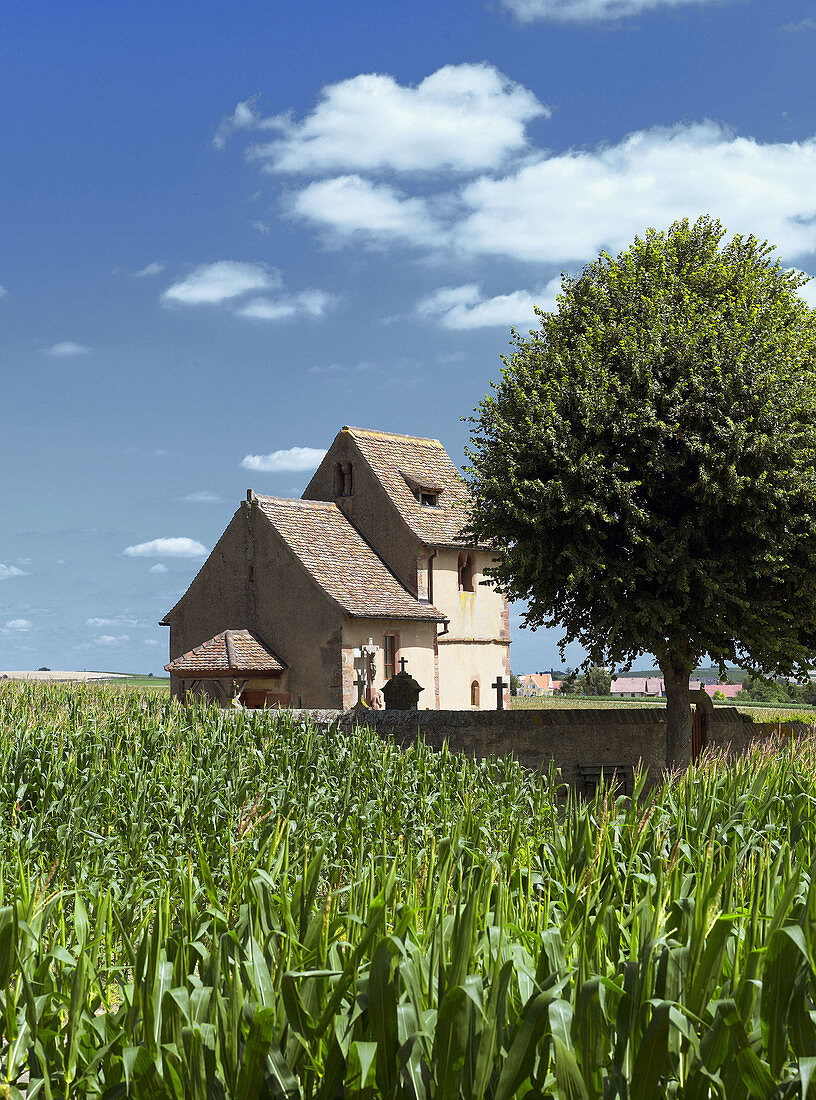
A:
[678,711]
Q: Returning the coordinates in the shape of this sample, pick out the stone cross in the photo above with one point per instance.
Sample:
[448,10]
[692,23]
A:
[360,684]
[499,685]
[402,664]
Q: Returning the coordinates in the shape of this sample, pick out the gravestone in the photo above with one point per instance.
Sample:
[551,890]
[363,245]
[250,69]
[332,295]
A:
[402,692]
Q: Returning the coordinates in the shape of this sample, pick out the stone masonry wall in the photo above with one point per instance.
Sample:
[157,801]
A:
[568,737]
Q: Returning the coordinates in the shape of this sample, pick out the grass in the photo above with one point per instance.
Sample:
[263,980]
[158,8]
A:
[200,904]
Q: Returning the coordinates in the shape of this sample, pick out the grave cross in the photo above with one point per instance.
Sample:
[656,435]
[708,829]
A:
[499,685]
[360,684]
[402,664]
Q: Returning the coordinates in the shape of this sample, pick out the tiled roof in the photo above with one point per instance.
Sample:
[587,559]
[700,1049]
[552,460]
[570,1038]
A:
[402,462]
[341,561]
[230,651]
[642,685]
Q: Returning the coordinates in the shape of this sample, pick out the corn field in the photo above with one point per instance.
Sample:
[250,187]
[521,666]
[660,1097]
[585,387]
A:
[207,905]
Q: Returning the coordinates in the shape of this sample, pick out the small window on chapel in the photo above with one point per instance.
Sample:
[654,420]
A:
[474,693]
[343,484]
[467,571]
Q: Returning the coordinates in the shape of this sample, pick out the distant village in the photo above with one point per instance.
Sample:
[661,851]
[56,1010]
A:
[538,684]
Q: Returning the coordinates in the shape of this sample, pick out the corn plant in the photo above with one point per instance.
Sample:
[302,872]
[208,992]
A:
[200,904]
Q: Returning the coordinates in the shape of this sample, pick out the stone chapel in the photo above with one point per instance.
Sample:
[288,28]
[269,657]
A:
[318,602]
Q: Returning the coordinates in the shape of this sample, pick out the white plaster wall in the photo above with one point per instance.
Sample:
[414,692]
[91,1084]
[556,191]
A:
[416,645]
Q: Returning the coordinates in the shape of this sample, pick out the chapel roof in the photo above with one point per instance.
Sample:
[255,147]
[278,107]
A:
[344,565]
[404,463]
[231,651]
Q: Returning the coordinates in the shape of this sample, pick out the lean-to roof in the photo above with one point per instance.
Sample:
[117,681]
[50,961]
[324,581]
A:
[231,651]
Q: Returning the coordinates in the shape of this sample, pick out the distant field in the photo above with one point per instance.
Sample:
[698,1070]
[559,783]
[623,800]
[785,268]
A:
[150,683]
[770,713]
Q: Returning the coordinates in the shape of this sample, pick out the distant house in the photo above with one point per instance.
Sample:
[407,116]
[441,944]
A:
[728,690]
[536,684]
[638,686]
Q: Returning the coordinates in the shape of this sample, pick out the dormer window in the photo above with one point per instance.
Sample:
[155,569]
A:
[425,494]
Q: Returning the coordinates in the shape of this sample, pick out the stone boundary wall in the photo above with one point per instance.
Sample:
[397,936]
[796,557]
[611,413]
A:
[568,737]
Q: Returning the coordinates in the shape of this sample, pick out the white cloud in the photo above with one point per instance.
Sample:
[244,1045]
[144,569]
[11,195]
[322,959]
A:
[808,24]
[565,208]
[7,571]
[463,307]
[210,284]
[3,291]
[116,621]
[18,624]
[307,303]
[294,459]
[462,118]
[158,568]
[351,205]
[175,547]
[156,268]
[67,349]
[244,117]
[570,206]
[110,639]
[583,11]
[150,641]
[203,496]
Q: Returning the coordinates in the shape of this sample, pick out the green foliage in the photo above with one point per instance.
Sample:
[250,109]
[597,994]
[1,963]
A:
[515,685]
[647,464]
[718,696]
[596,681]
[570,683]
[202,904]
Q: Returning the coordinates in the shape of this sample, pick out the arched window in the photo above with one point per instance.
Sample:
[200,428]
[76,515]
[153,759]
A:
[467,569]
[474,693]
[343,479]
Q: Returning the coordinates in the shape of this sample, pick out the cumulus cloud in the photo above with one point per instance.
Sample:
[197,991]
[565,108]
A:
[584,11]
[210,284]
[294,459]
[156,268]
[203,496]
[150,641]
[158,568]
[67,349]
[19,624]
[7,571]
[463,307]
[353,206]
[462,118]
[3,291]
[570,206]
[174,547]
[307,303]
[564,208]
[111,639]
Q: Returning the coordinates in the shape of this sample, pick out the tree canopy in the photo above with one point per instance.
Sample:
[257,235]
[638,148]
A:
[645,466]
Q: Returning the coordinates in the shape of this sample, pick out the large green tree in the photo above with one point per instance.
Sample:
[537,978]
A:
[645,466]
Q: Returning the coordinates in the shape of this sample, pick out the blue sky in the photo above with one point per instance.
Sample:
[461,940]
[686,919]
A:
[229,229]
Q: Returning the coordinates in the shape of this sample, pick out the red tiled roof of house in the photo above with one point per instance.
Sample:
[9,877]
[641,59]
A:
[231,651]
[341,561]
[404,463]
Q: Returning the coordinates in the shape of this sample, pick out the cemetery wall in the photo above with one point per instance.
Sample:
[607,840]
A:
[570,738]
